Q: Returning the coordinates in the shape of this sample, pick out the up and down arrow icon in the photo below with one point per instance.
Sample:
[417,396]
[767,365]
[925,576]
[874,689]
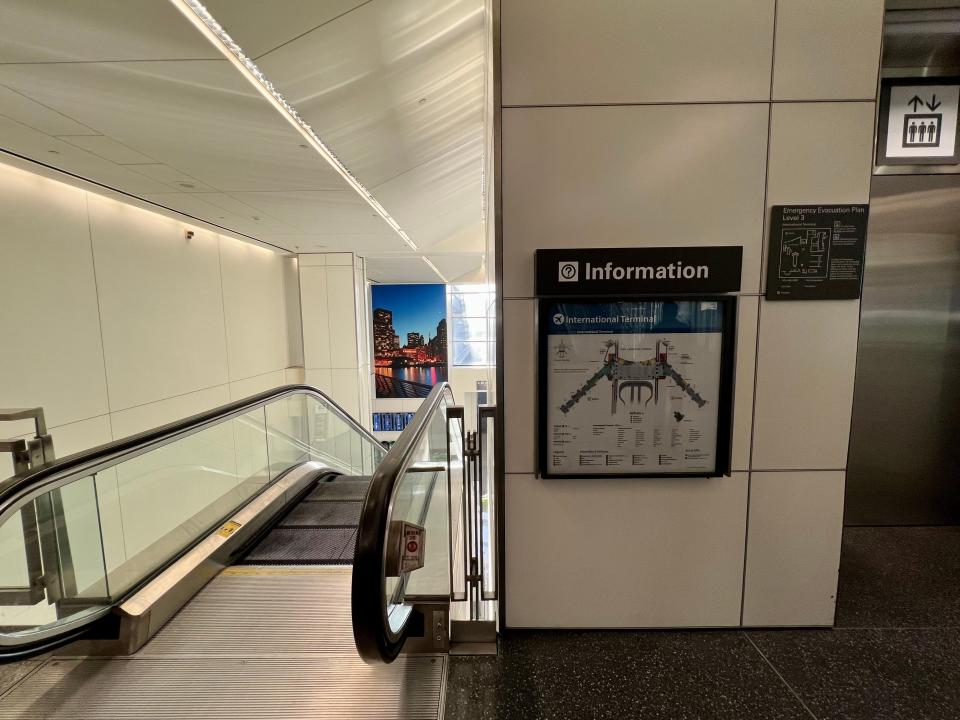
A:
[916,101]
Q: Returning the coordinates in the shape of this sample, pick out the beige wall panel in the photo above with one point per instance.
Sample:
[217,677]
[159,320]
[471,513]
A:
[144,417]
[345,390]
[52,354]
[293,376]
[624,553]
[240,389]
[632,176]
[253,306]
[805,372]
[820,153]
[793,549]
[291,309]
[827,49]
[748,308]
[343,317]
[160,304]
[519,385]
[319,378]
[620,51]
[315,313]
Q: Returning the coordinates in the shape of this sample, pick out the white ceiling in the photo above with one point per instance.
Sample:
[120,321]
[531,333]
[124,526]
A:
[129,94]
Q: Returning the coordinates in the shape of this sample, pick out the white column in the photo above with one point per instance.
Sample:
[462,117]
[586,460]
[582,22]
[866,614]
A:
[336,356]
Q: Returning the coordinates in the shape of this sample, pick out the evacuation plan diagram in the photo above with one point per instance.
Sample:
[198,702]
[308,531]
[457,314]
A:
[627,403]
[804,253]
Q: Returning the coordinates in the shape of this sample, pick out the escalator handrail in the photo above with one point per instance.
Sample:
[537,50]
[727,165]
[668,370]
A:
[371,630]
[84,463]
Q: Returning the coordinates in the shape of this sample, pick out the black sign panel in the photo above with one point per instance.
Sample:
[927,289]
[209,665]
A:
[622,272]
[816,252]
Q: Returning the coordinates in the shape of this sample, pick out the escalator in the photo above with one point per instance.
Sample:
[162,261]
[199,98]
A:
[268,558]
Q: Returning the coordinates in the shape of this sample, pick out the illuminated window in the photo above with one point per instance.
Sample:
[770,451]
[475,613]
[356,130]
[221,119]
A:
[473,325]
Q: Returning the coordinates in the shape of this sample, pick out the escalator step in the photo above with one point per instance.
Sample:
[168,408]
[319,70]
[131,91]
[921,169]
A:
[343,490]
[304,546]
[320,514]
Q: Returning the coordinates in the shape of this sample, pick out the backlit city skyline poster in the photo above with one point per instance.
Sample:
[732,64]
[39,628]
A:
[409,339]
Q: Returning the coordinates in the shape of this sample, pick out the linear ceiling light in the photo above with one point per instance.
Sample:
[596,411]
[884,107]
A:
[433,267]
[201,18]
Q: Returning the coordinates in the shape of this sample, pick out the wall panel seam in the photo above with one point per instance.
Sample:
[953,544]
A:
[223,307]
[96,291]
[257,375]
[668,103]
[172,397]
[756,350]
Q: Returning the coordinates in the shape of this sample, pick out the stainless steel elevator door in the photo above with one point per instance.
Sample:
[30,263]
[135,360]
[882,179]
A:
[904,464]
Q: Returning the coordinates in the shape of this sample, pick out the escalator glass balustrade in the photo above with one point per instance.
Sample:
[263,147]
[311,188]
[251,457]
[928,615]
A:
[81,534]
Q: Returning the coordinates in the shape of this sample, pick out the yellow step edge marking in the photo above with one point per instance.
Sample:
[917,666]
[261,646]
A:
[288,570]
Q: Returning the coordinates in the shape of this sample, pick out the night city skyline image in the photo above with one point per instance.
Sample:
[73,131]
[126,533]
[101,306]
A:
[409,339]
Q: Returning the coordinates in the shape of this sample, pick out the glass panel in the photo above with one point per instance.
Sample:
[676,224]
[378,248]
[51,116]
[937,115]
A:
[52,568]
[458,529]
[170,496]
[470,329]
[470,305]
[421,497]
[471,353]
[79,548]
[488,509]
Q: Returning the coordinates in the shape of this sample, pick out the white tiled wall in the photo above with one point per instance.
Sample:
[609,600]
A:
[573,52]
[649,124]
[115,323]
[793,548]
[634,176]
[333,304]
[161,316]
[49,303]
[805,370]
[623,553]
[827,50]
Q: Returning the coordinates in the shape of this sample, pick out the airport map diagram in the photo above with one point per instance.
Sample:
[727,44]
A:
[633,403]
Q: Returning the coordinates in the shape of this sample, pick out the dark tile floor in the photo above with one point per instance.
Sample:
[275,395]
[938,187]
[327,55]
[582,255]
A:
[895,654]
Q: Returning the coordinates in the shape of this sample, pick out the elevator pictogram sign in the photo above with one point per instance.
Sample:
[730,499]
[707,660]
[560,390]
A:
[918,122]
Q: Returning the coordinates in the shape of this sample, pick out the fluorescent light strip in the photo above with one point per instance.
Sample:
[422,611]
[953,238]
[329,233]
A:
[433,267]
[201,18]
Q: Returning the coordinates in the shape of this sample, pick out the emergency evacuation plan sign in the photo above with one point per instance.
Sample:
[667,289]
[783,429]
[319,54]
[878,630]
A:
[635,388]
[816,252]
[918,121]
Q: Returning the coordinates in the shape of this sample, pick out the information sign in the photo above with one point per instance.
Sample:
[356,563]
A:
[635,388]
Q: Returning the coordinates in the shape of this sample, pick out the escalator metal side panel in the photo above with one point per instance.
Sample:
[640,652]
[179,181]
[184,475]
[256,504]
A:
[145,612]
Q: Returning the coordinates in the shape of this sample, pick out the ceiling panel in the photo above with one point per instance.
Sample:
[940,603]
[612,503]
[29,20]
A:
[29,112]
[459,267]
[440,203]
[85,30]
[400,269]
[107,148]
[202,118]
[362,244]
[389,85]
[172,177]
[31,143]
[251,222]
[260,26]
[319,212]
[396,89]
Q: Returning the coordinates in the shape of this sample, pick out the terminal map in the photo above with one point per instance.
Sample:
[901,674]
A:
[632,387]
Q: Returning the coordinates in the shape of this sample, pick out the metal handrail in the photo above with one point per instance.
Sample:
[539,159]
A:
[371,629]
[19,488]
